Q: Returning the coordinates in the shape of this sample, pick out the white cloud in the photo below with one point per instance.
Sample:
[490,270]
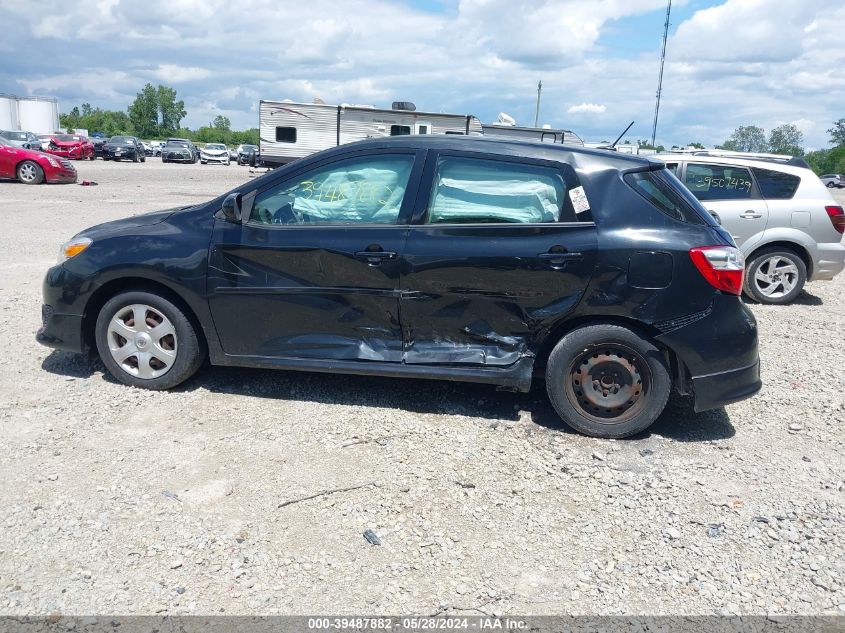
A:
[593,108]
[738,63]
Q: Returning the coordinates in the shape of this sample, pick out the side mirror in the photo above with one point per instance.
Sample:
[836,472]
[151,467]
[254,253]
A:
[232,209]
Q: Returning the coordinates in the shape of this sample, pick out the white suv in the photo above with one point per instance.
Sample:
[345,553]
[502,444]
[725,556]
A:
[778,211]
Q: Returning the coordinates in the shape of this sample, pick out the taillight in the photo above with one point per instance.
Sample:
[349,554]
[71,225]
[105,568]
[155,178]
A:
[722,267]
[837,217]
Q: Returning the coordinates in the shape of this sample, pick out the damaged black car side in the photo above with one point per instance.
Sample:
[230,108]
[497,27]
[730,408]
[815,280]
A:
[452,258]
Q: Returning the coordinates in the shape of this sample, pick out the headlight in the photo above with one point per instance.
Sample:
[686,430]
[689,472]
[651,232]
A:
[73,248]
[52,161]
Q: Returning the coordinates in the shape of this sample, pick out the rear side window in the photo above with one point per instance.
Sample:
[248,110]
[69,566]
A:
[478,191]
[400,130]
[664,191]
[776,185]
[718,182]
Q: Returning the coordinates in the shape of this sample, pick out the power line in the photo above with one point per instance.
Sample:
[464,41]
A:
[660,80]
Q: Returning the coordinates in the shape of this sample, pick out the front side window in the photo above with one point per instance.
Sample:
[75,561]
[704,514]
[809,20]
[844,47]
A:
[477,191]
[776,185]
[718,182]
[363,190]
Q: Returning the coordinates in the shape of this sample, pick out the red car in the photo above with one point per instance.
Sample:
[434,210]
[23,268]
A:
[71,146]
[32,168]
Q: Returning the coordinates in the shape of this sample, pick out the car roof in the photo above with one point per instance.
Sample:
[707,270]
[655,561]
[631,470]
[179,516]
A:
[798,170]
[507,147]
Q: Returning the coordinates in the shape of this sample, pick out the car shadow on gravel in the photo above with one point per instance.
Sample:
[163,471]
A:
[804,298]
[678,422]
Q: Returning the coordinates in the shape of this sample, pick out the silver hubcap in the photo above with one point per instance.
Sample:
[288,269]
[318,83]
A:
[776,277]
[142,341]
[27,172]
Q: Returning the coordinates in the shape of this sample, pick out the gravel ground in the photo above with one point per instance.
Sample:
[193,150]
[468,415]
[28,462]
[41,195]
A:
[117,500]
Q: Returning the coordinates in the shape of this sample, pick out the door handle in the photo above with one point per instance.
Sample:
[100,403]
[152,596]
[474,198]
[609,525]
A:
[751,215]
[559,258]
[374,258]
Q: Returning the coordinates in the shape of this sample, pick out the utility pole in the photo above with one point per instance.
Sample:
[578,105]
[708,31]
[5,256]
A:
[660,80]
[537,111]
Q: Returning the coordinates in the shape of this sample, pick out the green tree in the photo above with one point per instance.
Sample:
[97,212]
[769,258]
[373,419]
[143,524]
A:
[747,138]
[695,145]
[143,112]
[786,139]
[837,133]
[170,110]
[221,123]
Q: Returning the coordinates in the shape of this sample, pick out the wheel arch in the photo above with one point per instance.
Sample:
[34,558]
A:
[133,284]
[789,245]
[678,370]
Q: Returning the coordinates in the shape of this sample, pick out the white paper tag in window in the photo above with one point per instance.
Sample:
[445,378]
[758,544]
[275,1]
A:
[579,200]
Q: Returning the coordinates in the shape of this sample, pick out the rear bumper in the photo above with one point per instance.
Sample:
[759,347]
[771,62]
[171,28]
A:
[718,349]
[830,261]
[718,390]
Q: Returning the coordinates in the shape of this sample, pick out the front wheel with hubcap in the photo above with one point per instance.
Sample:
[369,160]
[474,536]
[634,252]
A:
[775,277]
[146,341]
[607,381]
[30,173]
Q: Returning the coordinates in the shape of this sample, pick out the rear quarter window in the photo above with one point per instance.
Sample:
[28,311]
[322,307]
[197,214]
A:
[776,185]
[665,192]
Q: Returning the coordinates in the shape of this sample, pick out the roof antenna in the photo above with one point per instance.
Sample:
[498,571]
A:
[612,146]
[660,80]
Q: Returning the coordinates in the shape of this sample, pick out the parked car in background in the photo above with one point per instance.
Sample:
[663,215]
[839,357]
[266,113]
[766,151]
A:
[45,141]
[124,148]
[500,261]
[25,140]
[214,153]
[244,152]
[178,151]
[32,167]
[99,143]
[778,212]
[833,180]
[156,146]
[233,154]
[71,146]
[148,149]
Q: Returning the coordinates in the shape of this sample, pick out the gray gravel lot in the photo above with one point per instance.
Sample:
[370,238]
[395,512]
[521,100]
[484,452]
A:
[118,500]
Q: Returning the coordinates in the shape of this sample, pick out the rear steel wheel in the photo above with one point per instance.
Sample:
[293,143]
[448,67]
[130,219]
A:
[607,381]
[609,385]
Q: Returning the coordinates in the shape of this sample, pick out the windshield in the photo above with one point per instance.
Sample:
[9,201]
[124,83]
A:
[177,143]
[215,146]
[121,139]
[16,136]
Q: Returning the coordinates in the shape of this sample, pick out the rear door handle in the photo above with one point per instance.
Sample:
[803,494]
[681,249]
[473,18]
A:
[560,258]
[374,258]
[751,215]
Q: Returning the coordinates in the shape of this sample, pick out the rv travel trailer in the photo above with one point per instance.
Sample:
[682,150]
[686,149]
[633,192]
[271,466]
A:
[542,134]
[289,130]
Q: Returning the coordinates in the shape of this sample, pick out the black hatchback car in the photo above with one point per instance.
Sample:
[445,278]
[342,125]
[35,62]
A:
[124,148]
[452,258]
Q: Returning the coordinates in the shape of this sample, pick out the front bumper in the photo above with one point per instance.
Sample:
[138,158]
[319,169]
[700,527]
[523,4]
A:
[214,159]
[830,261]
[178,157]
[118,154]
[61,311]
[60,177]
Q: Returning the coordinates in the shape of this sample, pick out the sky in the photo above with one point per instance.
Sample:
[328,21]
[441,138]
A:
[729,62]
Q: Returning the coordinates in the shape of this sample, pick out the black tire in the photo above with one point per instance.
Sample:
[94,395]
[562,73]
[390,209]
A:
[135,158]
[189,350]
[761,263]
[629,381]
[163,160]
[143,158]
[830,185]
[30,173]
